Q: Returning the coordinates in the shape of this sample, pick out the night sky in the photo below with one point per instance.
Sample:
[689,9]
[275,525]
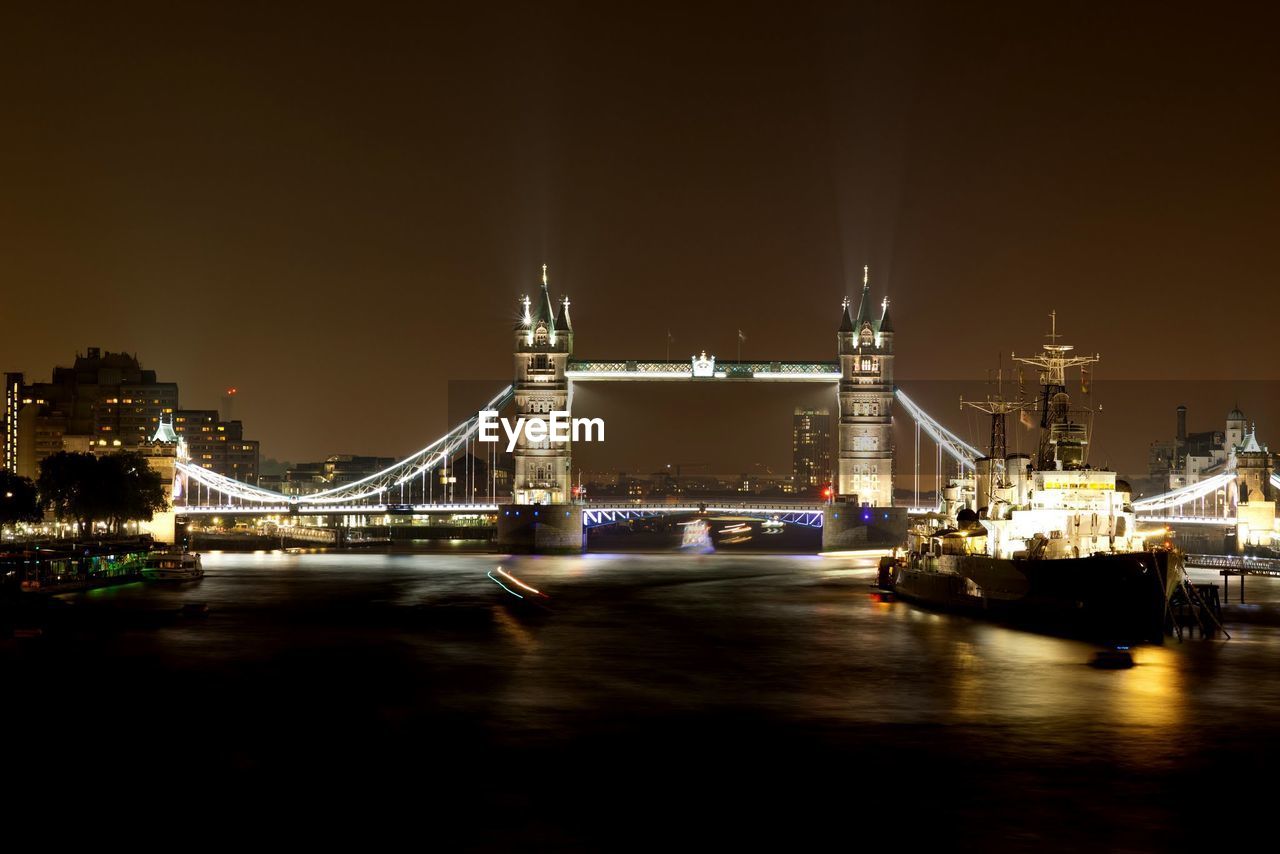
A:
[335,208]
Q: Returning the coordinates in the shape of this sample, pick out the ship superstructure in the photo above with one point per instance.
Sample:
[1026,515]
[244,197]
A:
[1046,537]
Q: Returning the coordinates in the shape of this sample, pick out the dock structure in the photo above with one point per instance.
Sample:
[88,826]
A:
[1195,606]
[1235,565]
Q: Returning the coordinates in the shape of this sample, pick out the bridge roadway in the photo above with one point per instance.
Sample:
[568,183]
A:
[590,507]
[1224,521]
[808,515]
[332,509]
[650,509]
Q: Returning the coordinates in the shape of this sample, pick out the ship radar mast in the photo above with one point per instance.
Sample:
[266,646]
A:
[1062,441]
[1054,361]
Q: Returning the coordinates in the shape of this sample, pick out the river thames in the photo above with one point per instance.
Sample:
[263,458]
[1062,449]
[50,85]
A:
[662,699]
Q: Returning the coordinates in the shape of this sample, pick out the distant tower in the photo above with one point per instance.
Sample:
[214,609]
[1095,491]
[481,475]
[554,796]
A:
[1256,508]
[543,344]
[865,347]
[1180,438]
[810,450]
[1235,429]
[1253,469]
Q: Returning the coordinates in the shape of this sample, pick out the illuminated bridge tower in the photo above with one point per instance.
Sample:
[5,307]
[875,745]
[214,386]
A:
[864,468]
[543,344]
[540,517]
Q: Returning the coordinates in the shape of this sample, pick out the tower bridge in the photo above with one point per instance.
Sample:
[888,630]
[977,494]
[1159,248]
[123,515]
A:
[455,474]
[862,374]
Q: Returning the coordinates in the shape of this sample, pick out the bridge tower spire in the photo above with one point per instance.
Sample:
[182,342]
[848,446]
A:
[864,466]
[543,344]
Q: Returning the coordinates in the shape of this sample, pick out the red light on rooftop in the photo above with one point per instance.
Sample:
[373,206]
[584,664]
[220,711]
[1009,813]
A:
[231,391]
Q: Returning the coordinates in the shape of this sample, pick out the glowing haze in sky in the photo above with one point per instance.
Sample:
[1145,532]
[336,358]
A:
[335,210]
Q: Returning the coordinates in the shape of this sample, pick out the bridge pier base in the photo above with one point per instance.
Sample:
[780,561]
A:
[848,527]
[541,529]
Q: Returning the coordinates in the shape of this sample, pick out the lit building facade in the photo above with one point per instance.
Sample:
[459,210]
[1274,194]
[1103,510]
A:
[104,401]
[865,347]
[811,468]
[218,445]
[1192,457]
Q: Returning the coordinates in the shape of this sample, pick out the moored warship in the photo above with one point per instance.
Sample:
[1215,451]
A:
[1047,543]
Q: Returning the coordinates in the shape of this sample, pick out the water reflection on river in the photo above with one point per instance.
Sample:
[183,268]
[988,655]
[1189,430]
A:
[754,696]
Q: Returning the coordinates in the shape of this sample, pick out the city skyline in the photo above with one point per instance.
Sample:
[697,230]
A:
[1132,416]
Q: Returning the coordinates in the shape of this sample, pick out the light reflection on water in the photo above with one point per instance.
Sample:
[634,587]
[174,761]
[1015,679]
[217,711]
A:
[799,633]
[670,656]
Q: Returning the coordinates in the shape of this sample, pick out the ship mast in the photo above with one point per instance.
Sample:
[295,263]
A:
[1052,365]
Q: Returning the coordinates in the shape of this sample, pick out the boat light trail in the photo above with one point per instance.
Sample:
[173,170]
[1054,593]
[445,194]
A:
[516,581]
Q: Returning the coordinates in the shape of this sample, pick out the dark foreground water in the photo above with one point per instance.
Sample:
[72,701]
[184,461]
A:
[666,701]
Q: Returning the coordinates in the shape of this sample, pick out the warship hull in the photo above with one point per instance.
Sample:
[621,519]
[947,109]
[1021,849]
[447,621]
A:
[1116,598]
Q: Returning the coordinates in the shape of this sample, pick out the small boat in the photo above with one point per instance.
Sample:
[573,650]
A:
[696,536]
[172,566]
